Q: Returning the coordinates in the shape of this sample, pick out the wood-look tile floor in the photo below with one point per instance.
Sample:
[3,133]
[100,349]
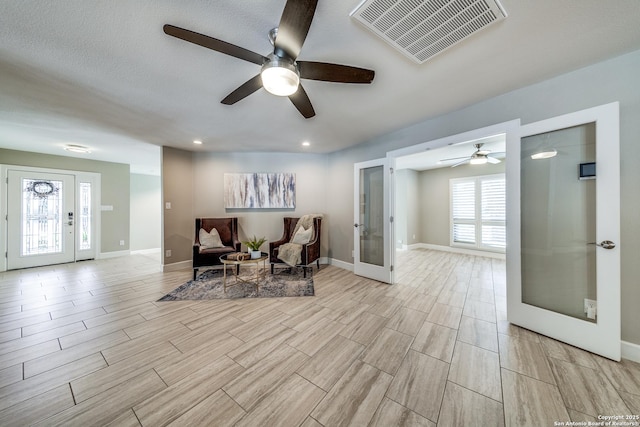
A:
[88,344]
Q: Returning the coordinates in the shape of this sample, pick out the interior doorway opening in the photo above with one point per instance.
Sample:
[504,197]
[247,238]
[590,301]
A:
[424,176]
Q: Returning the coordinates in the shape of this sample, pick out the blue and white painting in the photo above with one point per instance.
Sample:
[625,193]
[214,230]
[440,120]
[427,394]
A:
[260,190]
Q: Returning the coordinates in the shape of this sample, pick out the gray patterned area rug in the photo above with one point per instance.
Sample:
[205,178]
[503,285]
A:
[208,285]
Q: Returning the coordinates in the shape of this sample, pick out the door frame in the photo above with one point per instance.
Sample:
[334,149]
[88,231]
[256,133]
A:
[586,335]
[80,176]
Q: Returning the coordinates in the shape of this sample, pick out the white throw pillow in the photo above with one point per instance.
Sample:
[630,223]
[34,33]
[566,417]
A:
[210,240]
[302,236]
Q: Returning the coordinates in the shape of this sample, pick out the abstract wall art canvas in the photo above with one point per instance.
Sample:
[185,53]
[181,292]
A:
[260,190]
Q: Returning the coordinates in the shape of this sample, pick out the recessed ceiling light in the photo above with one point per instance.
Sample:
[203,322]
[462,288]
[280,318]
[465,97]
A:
[197,142]
[75,148]
[306,144]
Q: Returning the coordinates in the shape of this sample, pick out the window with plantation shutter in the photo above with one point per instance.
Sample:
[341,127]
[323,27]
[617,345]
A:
[478,211]
[463,208]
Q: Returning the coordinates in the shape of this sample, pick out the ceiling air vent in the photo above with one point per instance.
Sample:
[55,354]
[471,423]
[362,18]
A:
[421,29]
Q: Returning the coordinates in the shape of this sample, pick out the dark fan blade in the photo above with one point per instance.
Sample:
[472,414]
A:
[294,26]
[215,44]
[302,102]
[334,72]
[243,91]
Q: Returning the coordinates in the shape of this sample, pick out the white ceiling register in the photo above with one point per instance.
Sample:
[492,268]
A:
[259,190]
[421,29]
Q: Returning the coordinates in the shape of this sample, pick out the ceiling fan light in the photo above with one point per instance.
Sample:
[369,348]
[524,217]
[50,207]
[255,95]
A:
[546,154]
[480,160]
[280,77]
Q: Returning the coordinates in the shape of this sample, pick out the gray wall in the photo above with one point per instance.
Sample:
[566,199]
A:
[608,81]
[114,190]
[433,198]
[178,189]
[145,219]
[196,180]
[311,191]
[407,212]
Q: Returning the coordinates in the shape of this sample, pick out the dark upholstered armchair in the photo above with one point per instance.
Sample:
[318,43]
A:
[228,231]
[310,251]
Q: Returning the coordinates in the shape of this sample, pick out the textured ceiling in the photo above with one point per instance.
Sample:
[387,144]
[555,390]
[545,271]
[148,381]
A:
[103,74]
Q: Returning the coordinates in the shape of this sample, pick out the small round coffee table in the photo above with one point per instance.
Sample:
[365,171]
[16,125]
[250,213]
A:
[226,261]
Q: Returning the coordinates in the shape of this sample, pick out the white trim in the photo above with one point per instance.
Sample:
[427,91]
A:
[630,351]
[114,254]
[188,264]
[146,251]
[176,266]
[340,264]
[505,127]
[474,252]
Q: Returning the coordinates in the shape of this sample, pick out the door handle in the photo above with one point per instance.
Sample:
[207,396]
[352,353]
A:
[358,225]
[606,244]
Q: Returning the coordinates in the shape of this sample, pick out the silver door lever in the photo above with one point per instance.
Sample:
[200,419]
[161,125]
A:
[606,244]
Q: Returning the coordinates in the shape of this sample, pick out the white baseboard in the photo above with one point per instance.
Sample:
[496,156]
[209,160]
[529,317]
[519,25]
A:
[463,251]
[146,251]
[630,351]
[181,265]
[341,264]
[114,254]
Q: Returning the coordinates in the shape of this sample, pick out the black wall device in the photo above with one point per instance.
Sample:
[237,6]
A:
[588,170]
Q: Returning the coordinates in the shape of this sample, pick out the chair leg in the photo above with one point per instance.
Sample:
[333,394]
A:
[195,273]
[318,263]
[271,268]
[237,269]
[304,272]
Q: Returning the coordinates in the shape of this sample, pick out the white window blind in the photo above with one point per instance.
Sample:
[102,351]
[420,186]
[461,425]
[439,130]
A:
[478,211]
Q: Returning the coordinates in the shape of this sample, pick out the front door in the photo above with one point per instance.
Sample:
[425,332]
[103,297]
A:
[563,250]
[371,221]
[40,219]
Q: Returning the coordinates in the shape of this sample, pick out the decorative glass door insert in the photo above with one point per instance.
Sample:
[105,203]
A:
[85,216]
[41,217]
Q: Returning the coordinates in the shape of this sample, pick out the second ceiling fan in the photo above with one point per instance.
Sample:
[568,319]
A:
[479,157]
[281,73]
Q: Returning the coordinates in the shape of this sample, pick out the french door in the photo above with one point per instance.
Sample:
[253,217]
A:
[563,249]
[372,225]
[51,216]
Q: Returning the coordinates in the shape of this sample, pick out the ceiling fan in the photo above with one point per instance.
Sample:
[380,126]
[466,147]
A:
[281,73]
[480,157]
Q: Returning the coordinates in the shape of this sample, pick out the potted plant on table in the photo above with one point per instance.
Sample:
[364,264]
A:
[254,246]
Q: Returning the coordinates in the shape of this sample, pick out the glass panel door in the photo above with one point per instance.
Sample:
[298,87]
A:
[563,257]
[371,226]
[40,219]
